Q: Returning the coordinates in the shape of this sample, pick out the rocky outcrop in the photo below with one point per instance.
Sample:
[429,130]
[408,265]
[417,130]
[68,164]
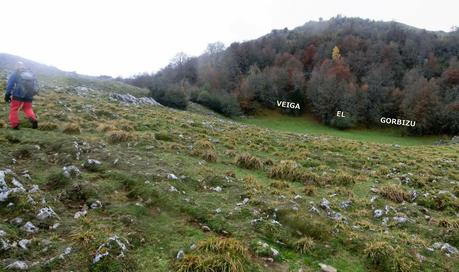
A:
[130,99]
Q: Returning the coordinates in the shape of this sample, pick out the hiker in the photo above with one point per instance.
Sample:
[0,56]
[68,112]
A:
[20,90]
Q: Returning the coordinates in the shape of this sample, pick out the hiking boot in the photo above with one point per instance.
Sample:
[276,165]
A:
[34,124]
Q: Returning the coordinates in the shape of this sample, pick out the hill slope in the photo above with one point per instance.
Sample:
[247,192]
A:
[107,186]
[367,69]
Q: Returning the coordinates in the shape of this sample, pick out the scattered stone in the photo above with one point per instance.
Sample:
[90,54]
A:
[327,268]
[378,213]
[446,247]
[61,256]
[96,204]
[92,164]
[172,189]
[267,250]
[345,204]
[337,216]
[314,210]
[46,213]
[34,189]
[16,221]
[180,254]
[244,201]
[325,204]
[55,226]
[400,219]
[217,189]
[115,245]
[4,244]
[171,176]
[80,213]
[71,171]
[205,228]
[18,265]
[23,243]
[29,227]
[413,195]
[14,187]
[275,252]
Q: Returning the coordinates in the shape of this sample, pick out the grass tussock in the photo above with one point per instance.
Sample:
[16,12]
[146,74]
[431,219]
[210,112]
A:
[163,136]
[215,254]
[205,150]
[384,257]
[309,190]
[105,127]
[249,161]
[448,223]
[290,170]
[395,193]
[344,179]
[305,244]
[72,128]
[47,126]
[306,225]
[119,136]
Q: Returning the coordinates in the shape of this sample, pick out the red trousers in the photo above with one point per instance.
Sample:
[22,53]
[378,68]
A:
[15,107]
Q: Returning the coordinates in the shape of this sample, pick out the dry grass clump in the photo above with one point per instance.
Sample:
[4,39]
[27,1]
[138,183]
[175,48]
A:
[385,257]
[291,170]
[248,161]
[125,126]
[118,136]
[47,126]
[205,150]
[215,254]
[286,169]
[305,244]
[448,223]
[251,184]
[72,128]
[344,179]
[394,193]
[105,127]
[222,245]
[309,190]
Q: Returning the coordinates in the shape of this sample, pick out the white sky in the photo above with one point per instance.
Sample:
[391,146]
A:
[128,37]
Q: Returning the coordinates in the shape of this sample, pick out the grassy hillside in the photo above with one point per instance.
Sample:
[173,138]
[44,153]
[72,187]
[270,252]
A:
[307,124]
[154,189]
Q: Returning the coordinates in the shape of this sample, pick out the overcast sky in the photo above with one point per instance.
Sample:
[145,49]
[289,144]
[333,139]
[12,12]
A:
[133,36]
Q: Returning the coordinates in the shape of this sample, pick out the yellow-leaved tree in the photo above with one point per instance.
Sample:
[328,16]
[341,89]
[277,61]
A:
[336,55]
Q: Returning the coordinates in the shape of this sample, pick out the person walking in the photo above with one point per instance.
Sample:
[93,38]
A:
[21,88]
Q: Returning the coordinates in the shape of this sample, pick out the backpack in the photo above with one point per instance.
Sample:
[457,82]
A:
[27,83]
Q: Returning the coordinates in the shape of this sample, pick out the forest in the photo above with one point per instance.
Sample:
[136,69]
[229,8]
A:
[368,69]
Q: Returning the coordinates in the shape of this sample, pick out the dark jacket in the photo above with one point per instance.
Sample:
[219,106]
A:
[13,88]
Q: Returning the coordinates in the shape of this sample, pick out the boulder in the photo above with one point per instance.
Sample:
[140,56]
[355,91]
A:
[327,268]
